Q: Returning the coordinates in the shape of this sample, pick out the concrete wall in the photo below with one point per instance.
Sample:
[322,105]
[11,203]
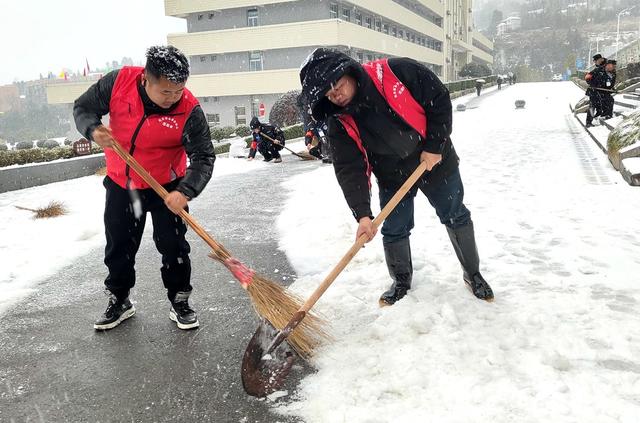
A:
[225,107]
[37,174]
[297,11]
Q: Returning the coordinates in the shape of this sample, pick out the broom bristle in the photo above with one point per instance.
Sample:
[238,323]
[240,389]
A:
[274,303]
[54,209]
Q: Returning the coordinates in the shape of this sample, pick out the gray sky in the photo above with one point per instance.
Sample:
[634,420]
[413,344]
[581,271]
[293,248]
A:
[39,36]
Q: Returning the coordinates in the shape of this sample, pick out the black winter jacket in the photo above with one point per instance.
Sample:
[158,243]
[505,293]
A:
[89,108]
[393,147]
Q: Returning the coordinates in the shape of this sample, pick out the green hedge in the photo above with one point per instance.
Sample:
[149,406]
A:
[221,132]
[221,148]
[38,155]
[24,145]
[243,130]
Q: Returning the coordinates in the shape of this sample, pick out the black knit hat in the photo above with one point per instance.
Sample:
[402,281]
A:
[323,68]
[597,56]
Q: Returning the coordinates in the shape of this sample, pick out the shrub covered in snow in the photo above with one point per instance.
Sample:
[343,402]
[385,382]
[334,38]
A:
[221,132]
[3,147]
[285,110]
[24,145]
[243,131]
[36,155]
[67,141]
[50,144]
[625,134]
[474,70]
[40,143]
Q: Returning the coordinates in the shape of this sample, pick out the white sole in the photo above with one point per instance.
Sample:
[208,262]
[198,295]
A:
[174,318]
[125,316]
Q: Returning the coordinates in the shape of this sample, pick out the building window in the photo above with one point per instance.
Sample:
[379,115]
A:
[394,31]
[252,17]
[358,18]
[241,115]
[333,11]
[203,58]
[213,57]
[255,108]
[216,99]
[205,99]
[346,14]
[367,22]
[200,17]
[360,57]
[210,15]
[213,119]
[385,28]
[413,37]
[255,61]
[378,25]
[369,57]
[400,33]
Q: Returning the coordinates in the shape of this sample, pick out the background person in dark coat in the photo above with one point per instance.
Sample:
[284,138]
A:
[605,78]
[269,149]
[337,89]
[595,107]
[160,122]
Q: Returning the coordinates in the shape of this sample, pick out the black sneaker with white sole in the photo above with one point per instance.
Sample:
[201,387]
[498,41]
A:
[181,313]
[117,312]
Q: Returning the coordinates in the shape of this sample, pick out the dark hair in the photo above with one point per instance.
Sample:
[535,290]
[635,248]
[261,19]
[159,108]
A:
[167,61]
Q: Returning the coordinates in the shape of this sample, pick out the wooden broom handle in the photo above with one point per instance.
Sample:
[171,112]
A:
[384,213]
[162,192]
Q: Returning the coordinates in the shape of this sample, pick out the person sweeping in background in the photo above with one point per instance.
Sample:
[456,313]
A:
[385,117]
[160,123]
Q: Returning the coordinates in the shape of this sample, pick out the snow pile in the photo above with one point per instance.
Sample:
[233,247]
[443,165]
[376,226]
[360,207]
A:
[31,250]
[561,343]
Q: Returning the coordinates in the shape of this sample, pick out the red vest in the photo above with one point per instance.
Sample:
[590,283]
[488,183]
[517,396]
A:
[396,95]
[158,142]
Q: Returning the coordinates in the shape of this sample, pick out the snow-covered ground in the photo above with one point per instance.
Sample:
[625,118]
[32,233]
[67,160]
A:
[559,240]
[31,250]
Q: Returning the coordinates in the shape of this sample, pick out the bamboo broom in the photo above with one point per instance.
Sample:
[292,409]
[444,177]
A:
[270,300]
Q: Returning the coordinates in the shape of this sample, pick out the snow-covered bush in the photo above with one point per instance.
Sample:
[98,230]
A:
[24,145]
[285,110]
[221,132]
[67,141]
[625,134]
[474,70]
[3,147]
[40,143]
[294,131]
[242,131]
[50,144]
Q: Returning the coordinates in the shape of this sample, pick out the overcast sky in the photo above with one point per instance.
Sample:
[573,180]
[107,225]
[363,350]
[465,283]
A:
[38,36]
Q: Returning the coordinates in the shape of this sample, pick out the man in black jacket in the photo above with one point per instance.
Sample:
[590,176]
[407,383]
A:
[160,123]
[367,133]
[270,150]
[595,96]
[605,79]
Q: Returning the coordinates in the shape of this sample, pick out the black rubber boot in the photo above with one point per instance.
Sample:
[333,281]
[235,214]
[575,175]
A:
[181,313]
[398,257]
[464,243]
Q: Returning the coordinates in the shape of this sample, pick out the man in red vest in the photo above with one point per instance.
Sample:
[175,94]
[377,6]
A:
[154,117]
[385,117]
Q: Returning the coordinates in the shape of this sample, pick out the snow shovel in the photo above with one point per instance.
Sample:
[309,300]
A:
[268,358]
[308,157]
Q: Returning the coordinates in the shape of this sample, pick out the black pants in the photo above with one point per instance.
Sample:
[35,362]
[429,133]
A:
[595,104]
[607,105]
[125,215]
[269,150]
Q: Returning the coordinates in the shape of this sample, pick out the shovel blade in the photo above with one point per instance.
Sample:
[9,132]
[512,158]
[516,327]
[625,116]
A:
[262,373]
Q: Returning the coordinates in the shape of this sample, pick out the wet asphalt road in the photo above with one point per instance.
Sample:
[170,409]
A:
[55,368]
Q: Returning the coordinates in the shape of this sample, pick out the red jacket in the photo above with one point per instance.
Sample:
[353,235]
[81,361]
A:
[154,140]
